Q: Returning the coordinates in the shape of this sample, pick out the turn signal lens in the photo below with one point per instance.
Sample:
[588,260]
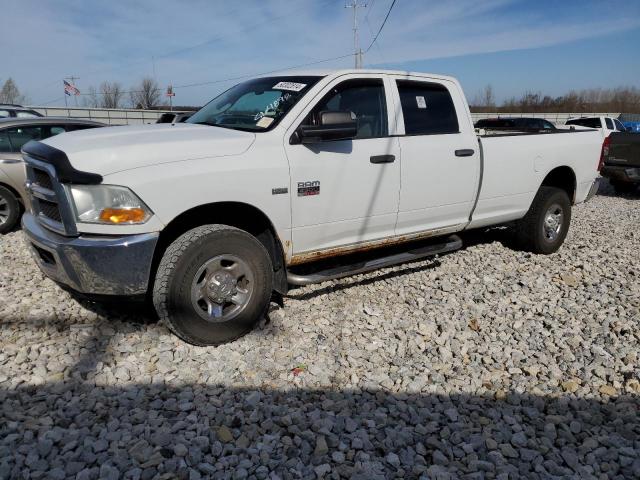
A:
[123,215]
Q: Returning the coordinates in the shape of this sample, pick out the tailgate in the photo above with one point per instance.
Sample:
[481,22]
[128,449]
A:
[624,150]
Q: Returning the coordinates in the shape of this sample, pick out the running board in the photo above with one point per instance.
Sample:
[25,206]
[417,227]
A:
[450,244]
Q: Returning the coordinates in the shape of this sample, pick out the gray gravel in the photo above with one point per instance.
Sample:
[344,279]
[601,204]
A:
[486,363]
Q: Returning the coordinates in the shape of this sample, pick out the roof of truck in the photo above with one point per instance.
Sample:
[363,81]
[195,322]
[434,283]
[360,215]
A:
[338,72]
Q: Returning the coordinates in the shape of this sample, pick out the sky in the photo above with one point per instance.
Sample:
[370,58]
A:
[198,45]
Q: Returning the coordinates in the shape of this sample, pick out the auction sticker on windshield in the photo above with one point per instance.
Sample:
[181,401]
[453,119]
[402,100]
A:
[291,86]
[264,122]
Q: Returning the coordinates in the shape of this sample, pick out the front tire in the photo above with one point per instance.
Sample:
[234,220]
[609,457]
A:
[546,224]
[9,210]
[213,284]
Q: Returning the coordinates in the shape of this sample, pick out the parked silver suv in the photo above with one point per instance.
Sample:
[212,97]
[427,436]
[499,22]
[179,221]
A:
[12,110]
[14,133]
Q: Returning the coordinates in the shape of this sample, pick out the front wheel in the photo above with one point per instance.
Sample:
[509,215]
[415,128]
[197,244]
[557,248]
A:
[9,210]
[546,224]
[213,284]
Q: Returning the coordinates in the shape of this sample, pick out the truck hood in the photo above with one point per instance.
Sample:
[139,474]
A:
[114,149]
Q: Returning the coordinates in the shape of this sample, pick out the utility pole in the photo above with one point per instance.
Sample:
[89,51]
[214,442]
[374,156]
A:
[73,82]
[357,51]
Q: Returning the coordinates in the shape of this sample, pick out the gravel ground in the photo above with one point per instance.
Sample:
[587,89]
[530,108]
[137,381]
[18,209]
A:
[486,363]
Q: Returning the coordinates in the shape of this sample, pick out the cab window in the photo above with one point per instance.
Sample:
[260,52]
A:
[364,98]
[609,123]
[427,108]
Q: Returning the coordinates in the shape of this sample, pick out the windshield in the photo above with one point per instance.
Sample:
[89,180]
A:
[256,105]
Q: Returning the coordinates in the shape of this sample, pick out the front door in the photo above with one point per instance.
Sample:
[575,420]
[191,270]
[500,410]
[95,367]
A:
[346,192]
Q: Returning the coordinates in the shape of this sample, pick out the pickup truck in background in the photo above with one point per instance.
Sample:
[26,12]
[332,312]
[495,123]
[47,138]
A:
[606,125]
[621,153]
[212,217]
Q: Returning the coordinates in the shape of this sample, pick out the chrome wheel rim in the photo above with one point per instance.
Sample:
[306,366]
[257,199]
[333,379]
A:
[222,288]
[553,221]
[4,210]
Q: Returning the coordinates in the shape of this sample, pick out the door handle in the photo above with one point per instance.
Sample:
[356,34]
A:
[382,159]
[465,152]
[9,161]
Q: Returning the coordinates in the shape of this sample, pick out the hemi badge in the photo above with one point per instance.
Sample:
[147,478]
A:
[279,191]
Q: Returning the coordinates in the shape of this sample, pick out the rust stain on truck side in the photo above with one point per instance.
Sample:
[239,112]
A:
[307,257]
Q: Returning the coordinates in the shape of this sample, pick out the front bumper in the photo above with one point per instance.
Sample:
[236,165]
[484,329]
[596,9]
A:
[92,264]
[622,173]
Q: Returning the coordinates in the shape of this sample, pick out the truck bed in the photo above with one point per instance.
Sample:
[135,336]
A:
[509,132]
[526,158]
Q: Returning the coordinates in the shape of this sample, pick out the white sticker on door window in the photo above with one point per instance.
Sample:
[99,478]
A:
[291,86]
[422,103]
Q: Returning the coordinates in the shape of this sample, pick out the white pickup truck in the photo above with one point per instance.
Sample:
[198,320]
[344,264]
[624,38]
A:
[212,217]
[605,125]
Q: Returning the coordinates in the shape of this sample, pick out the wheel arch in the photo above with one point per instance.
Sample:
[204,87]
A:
[236,214]
[564,178]
[15,193]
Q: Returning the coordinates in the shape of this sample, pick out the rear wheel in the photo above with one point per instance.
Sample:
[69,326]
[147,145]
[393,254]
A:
[213,284]
[545,226]
[9,210]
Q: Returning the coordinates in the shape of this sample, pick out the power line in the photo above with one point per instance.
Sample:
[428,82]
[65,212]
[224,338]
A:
[206,42]
[381,26]
[229,79]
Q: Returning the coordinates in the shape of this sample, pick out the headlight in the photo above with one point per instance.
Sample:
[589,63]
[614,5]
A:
[108,204]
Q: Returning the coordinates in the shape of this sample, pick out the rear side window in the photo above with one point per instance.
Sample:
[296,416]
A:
[609,123]
[4,114]
[427,108]
[585,122]
[26,114]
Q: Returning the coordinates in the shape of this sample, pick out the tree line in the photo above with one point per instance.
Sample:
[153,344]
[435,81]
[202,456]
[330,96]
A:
[146,94]
[619,99]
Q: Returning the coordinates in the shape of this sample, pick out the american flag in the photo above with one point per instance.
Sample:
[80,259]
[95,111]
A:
[70,89]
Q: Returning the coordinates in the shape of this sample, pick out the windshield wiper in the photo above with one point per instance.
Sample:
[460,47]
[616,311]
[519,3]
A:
[204,122]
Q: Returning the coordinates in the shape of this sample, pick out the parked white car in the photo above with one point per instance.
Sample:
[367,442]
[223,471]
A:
[211,216]
[606,125]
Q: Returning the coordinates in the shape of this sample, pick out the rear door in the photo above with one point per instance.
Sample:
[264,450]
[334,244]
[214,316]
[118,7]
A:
[440,156]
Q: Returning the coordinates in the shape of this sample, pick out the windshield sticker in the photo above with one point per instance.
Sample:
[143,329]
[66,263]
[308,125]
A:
[291,86]
[264,122]
[422,103]
[272,107]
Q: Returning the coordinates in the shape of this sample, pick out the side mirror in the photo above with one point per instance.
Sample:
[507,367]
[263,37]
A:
[332,126]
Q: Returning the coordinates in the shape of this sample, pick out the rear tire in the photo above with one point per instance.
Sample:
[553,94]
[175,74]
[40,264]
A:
[9,210]
[213,284]
[545,226]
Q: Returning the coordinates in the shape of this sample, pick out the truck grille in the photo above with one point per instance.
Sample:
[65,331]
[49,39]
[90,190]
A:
[48,200]
[50,210]
[42,178]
